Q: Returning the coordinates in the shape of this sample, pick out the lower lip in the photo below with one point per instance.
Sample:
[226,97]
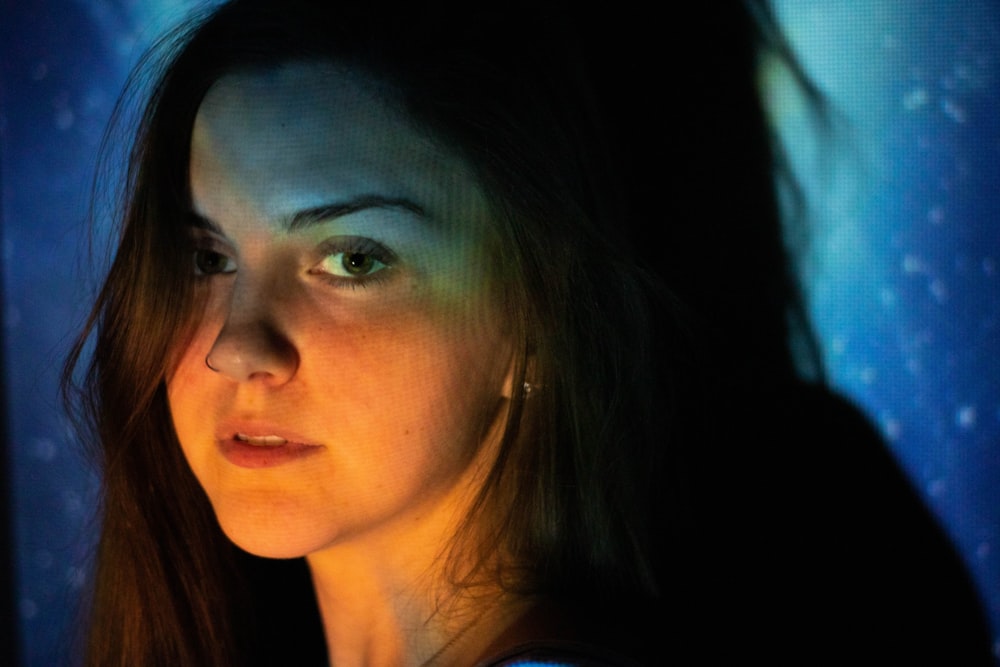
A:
[245,455]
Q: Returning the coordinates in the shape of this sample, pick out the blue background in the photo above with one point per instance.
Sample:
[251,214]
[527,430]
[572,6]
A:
[903,268]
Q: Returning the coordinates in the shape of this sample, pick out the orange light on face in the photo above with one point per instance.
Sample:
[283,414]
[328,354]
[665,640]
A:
[351,355]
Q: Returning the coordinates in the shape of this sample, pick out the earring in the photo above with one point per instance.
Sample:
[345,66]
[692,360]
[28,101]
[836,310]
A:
[528,388]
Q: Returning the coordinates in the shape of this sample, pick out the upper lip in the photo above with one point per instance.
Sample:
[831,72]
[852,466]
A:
[263,432]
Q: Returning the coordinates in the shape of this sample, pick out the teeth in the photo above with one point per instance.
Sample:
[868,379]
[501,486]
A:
[261,441]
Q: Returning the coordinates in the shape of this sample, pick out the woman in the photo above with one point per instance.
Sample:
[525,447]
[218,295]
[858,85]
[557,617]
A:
[372,307]
[351,282]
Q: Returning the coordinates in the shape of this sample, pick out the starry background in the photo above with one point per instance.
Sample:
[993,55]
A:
[903,269]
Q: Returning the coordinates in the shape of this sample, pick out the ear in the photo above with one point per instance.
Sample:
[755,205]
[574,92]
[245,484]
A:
[529,373]
[508,382]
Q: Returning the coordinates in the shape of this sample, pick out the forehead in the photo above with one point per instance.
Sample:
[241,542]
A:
[305,134]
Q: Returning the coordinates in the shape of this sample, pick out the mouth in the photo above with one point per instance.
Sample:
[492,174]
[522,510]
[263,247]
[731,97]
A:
[261,440]
[264,449]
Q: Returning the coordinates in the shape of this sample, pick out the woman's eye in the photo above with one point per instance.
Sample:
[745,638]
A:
[353,260]
[351,264]
[209,262]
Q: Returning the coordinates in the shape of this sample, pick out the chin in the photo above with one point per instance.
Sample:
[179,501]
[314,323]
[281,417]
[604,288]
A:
[271,534]
[267,544]
[269,548]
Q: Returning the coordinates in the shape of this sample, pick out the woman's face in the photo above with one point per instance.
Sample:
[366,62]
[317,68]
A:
[358,358]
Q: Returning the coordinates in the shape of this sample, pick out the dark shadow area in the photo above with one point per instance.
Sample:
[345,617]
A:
[805,540]
[9,654]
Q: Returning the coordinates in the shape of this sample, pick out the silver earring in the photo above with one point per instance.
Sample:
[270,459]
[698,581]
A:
[528,388]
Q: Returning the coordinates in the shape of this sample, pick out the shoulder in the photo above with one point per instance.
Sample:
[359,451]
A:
[554,653]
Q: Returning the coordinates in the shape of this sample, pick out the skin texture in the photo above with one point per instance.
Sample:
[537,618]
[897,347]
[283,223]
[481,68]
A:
[370,330]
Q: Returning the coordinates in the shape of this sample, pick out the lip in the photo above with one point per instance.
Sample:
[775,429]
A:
[262,445]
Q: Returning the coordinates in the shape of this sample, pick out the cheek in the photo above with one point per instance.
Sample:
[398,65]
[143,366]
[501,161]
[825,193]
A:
[434,370]
[418,353]
[189,380]
[195,339]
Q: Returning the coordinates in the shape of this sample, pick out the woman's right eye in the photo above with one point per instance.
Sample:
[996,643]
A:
[209,262]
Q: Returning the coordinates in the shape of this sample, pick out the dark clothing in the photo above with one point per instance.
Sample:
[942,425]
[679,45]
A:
[557,654]
[809,542]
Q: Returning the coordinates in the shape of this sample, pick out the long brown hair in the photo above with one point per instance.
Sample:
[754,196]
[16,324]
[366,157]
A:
[581,498]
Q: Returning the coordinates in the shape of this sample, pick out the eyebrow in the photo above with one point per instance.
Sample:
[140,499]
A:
[315,215]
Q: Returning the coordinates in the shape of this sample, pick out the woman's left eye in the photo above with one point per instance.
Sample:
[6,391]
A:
[354,260]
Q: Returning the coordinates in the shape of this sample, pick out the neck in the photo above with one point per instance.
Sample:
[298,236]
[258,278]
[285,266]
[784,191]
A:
[387,597]
[376,613]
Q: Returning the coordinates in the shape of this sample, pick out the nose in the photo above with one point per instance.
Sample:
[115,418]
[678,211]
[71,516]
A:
[250,347]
